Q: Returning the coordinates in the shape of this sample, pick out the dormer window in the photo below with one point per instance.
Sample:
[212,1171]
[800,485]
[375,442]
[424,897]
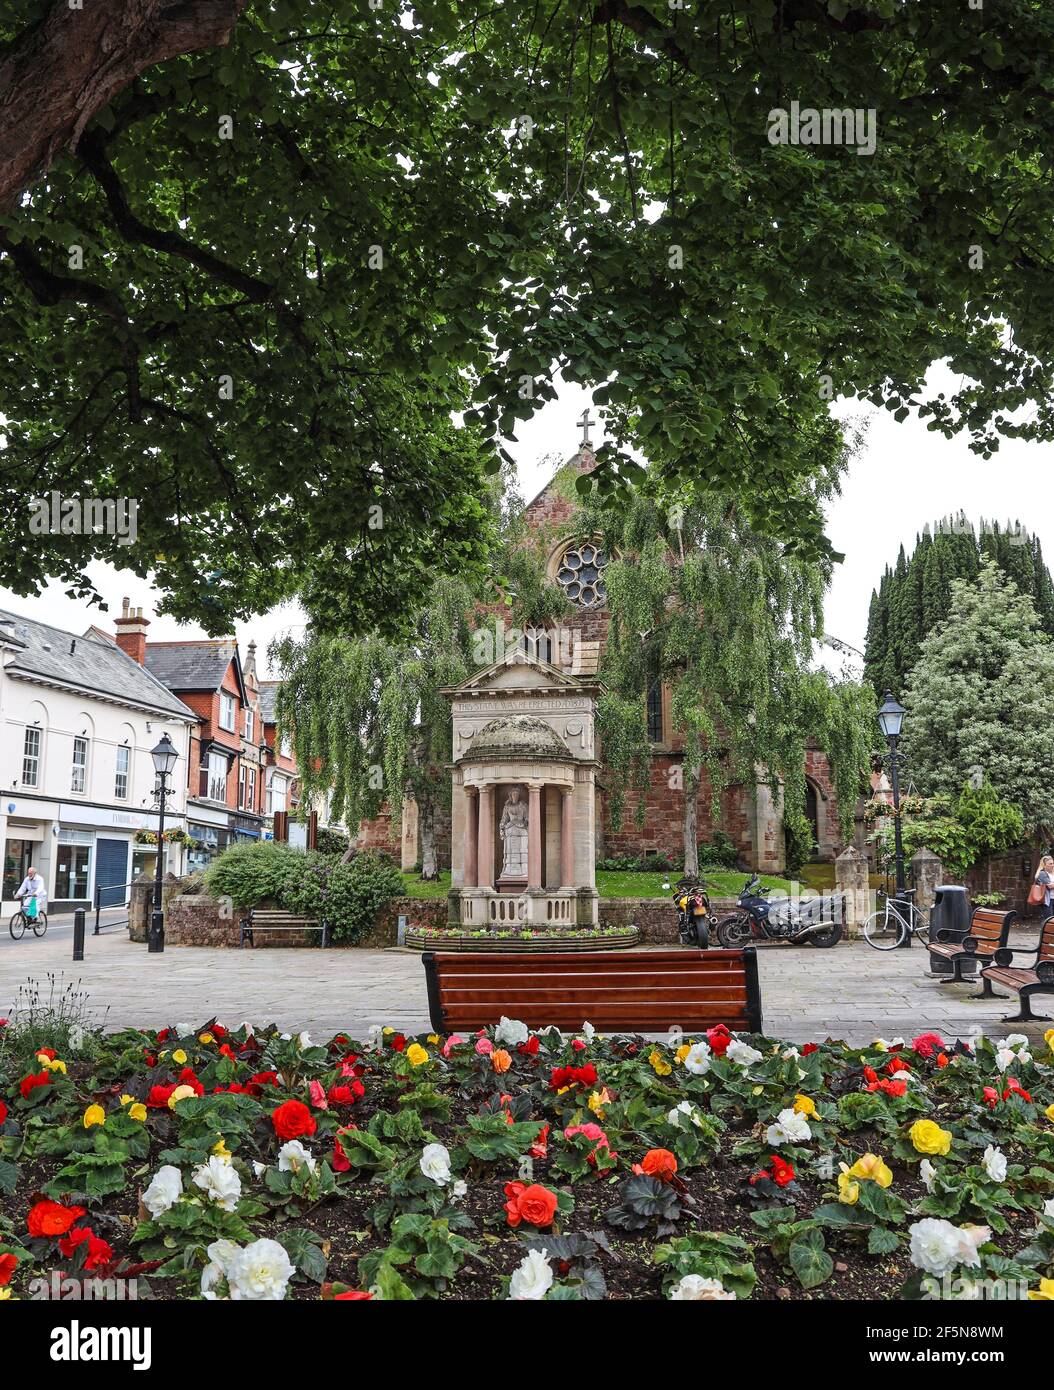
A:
[581,575]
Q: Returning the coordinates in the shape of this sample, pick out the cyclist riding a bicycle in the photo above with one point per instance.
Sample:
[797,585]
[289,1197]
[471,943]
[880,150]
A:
[32,893]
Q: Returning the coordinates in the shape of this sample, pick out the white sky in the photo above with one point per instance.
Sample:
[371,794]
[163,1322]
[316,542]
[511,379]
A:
[904,477]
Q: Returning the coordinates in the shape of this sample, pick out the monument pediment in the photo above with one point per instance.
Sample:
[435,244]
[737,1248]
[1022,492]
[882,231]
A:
[518,671]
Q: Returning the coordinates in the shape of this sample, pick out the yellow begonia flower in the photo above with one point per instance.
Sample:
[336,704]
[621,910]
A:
[1048,1038]
[180,1093]
[5,1293]
[433,1039]
[659,1063]
[929,1138]
[597,1101]
[179,1057]
[872,1169]
[386,1031]
[52,1064]
[127,1100]
[682,1052]
[848,1190]
[206,1039]
[94,1115]
[137,1112]
[1045,1291]
[1049,1112]
[416,1055]
[805,1105]
[221,1149]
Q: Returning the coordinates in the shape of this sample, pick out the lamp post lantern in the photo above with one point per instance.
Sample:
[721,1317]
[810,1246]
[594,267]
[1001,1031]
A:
[165,758]
[891,719]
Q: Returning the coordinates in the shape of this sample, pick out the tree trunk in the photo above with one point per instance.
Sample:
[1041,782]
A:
[426,822]
[60,72]
[691,824]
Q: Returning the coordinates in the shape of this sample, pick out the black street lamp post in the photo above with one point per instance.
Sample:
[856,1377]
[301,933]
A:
[165,758]
[891,718]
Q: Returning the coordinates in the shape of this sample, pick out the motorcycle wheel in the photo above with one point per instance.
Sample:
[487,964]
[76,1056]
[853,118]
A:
[831,937]
[734,931]
[702,932]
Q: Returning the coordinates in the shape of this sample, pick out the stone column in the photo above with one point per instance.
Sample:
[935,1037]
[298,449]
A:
[567,843]
[471,837]
[851,878]
[534,835]
[929,872]
[485,857]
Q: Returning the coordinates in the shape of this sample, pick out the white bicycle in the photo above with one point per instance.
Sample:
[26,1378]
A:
[895,922]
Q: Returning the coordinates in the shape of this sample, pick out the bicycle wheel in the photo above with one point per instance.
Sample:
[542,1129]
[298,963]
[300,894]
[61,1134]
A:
[17,926]
[40,926]
[884,930]
[921,928]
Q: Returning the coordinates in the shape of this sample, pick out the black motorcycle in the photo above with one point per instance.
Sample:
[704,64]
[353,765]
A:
[695,920]
[814,921]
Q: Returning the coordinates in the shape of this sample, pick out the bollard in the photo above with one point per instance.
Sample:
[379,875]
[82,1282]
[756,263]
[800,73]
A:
[78,934]
[155,936]
[98,909]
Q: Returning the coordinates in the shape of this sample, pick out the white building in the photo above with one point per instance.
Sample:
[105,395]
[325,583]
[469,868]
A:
[78,718]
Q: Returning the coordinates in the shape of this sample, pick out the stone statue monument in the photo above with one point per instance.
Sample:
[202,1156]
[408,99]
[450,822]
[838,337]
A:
[513,831]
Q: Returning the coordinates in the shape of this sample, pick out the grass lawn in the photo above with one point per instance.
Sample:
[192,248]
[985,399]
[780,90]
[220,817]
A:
[723,884]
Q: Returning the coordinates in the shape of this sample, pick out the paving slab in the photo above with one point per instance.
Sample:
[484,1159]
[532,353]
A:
[850,992]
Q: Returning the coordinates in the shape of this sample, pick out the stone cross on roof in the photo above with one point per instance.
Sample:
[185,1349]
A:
[585,422]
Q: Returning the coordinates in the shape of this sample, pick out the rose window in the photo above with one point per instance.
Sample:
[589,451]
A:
[581,575]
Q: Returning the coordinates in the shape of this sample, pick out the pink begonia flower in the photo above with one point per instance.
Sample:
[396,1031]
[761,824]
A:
[484,1047]
[318,1095]
[452,1041]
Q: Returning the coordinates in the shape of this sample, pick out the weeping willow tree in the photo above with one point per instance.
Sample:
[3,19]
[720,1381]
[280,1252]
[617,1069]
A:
[369,724]
[726,620]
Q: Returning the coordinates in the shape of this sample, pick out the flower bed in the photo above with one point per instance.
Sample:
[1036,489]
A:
[232,1164]
[520,940]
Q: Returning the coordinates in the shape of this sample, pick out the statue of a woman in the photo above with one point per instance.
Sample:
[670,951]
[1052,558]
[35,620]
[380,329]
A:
[513,831]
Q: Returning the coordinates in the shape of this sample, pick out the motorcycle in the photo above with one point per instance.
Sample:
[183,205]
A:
[814,921]
[695,921]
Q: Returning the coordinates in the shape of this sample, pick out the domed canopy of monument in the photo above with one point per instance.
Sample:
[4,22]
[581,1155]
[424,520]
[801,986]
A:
[516,736]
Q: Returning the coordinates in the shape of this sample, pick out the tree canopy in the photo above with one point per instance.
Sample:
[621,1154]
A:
[980,699]
[289,273]
[915,596]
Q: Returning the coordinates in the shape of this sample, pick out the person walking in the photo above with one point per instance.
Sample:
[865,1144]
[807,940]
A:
[1042,893]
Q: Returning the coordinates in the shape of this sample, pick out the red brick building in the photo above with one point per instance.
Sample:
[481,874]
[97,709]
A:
[748,814]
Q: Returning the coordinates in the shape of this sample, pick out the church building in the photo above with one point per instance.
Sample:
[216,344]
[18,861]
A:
[750,816]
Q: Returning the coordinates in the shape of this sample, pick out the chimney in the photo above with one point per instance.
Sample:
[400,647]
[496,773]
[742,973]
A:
[131,632]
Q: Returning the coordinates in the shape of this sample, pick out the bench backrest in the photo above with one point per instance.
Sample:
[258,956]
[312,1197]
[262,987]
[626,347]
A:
[1046,940]
[616,991]
[278,917]
[990,929]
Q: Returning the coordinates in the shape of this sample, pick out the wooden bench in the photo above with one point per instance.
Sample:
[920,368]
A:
[616,991]
[269,919]
[1025,980]
[988,934]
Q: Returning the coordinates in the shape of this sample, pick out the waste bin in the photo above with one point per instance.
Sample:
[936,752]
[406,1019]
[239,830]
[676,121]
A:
[951,912]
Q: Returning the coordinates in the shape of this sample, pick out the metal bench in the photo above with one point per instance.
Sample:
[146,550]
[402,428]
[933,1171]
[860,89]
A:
[1025,980]
[989,931]
[268,919]
[616,991]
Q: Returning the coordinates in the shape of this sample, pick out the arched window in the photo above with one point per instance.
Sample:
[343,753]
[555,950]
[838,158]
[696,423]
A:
[33,745]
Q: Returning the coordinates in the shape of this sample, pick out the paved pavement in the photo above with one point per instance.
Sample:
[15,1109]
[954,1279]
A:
[850,992]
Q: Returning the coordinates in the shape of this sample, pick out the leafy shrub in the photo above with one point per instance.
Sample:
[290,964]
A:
[718,853]
[798,839]
[332,842]
[315,884]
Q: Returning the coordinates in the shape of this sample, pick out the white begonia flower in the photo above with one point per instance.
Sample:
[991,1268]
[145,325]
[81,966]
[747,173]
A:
[791,1055]
[459,1189]
[259,1169]
[742,1053]
[510,1032]
[293,1157]
[588,1031]
[219,1181]
[532,1278]
[994,1163]
[221,1253]
[260,1273]
[1013,1040]
[1005,1058]
[928,1174]
[698,1058]
[435,1163]
[1048,1207]
[789,1128]
[165,1190]
[937,1246]
[184,1030]
[686,1110]
[694,1287]
[303,1040]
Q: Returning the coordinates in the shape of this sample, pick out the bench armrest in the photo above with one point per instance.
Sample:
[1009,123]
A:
[1004,956]
[969,945]
[947,937]
[1045,971]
